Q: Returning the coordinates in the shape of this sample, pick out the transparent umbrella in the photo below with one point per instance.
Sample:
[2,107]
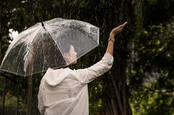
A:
[47,44]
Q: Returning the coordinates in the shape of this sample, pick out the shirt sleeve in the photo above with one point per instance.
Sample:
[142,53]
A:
[89,74]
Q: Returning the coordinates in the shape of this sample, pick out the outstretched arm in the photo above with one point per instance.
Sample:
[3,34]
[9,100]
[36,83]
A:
[89,74]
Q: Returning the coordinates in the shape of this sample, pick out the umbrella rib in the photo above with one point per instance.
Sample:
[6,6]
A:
[43,57]
[51,38]
[17,56]
[30,50]
[56,45]
[8,50]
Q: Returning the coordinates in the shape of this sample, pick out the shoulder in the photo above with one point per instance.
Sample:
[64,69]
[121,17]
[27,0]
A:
[54,77]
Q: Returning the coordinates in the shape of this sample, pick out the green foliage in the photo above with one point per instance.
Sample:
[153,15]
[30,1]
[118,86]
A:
[152,102]
[151,71]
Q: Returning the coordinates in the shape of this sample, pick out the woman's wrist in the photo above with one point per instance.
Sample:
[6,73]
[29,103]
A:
[111,39]
[112,36]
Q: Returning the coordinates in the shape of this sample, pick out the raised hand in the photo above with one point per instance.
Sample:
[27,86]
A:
[117,30]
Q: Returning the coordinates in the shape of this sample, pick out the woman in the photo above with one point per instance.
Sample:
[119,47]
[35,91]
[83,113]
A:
[65,91]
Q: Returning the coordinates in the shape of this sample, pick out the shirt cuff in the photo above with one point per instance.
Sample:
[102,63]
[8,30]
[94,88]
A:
[108,57]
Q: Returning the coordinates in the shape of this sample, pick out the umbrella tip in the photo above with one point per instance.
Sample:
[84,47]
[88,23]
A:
[43,25]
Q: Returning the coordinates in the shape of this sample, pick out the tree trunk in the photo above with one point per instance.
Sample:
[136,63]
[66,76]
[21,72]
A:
[3,101]
[121,94]
[17,106]
[0,50]
[117,102]
[4,91]
[30,86]
[18,99]
[29,100]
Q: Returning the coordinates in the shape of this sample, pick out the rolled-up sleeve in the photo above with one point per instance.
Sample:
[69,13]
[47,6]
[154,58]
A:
[89,74]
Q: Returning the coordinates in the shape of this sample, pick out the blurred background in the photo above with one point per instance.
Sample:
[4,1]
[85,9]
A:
[141,81]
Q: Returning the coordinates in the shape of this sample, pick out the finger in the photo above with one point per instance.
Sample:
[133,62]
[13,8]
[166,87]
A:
[124,23]
[120,27]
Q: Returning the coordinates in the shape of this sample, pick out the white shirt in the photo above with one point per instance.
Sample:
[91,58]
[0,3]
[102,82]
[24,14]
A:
[65,91]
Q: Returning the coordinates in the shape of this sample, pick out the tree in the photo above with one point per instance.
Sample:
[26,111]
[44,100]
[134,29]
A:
[150,75]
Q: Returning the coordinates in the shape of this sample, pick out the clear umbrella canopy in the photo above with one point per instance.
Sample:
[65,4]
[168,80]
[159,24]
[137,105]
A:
[57,43]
